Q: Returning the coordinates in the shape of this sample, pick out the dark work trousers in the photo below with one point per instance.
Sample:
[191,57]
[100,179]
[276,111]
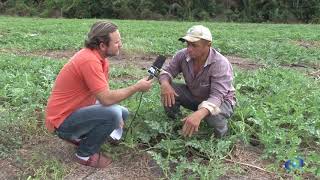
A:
[218,122]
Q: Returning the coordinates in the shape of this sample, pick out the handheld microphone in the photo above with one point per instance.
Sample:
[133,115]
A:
[154,70]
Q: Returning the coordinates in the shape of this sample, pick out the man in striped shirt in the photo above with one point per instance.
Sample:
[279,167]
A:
[208,89]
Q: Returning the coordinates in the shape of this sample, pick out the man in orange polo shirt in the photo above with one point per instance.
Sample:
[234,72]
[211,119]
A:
[72,111]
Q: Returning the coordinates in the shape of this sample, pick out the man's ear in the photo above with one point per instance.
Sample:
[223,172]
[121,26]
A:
[206,43]
[103,46]
[209,43]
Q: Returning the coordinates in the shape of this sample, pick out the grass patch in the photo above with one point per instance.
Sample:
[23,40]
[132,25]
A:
[42,166]
[268,43]
[270,109]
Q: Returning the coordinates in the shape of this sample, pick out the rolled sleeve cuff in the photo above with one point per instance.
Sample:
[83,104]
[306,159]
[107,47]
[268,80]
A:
[164,75]
[212,108]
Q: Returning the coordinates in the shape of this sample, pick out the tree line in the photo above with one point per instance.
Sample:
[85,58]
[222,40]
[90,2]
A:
[306,11]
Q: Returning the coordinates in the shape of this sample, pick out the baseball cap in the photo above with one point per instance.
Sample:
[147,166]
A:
[197,32]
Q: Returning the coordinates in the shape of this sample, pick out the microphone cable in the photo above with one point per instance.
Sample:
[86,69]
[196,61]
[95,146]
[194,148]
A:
[154,72]
[134,117]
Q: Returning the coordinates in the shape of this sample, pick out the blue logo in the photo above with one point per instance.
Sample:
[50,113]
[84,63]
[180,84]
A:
[294,165]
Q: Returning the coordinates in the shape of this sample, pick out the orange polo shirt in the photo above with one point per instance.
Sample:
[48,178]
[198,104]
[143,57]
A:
[75,87]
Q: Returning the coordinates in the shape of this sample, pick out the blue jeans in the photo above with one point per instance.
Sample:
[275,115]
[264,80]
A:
[92,124]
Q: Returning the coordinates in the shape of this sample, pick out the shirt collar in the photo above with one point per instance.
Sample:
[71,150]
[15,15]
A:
[210,59]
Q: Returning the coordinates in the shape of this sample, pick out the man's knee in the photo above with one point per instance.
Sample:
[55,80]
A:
[125,113]
[219,124]
[112,115]
[219,132]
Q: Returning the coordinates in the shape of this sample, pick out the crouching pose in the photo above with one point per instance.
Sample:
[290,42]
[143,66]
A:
[207,90]
[72,112]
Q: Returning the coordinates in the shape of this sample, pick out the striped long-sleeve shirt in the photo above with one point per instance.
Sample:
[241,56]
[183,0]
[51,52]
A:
[212,85]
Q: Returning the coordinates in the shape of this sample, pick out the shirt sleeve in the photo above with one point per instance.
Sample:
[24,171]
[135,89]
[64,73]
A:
[173,68]
[220,82]
[94,76]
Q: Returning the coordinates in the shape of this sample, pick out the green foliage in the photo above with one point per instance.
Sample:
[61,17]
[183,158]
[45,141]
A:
[277,107]
[270,110]
[42,167]
[19,7]
[231,10]
[269,43]
[25,86]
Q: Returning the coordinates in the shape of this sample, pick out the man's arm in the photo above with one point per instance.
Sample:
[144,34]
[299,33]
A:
[167,74]
[171,70]
[108,97]
[220,85]
[167,93]
[192,122]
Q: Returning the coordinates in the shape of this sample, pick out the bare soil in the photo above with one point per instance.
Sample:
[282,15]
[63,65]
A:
[249,159]
[307,44]
[8,170]
[125,58]
[129,164]
[144,61]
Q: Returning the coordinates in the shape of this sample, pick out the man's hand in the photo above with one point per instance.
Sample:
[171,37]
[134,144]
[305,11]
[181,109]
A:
[144,85]
[167,94]
[192,122]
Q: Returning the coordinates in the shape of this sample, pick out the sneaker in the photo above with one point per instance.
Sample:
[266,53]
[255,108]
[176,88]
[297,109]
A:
[96,160]
[113,142]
